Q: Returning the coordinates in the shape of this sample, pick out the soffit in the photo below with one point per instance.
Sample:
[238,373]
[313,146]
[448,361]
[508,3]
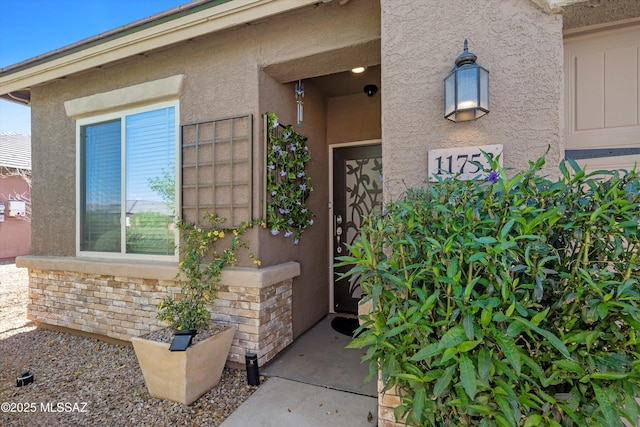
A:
[555,6]
[86,55]
[597,12]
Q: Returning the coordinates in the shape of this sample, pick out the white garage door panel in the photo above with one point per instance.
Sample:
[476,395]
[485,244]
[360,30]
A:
[602,85]
[611,163]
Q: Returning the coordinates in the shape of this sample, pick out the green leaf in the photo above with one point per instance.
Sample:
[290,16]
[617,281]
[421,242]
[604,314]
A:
[468,346]
[418,401]
[507,227]
[468,326]
[548,335]
[533,420]
[501,421]
[485,240]
[444,381]
[484,364]
[426,353]
[468,375]
[452,337]
[448,354]
[540,317]
[507,410]
[399,329]
[605,406]
[603,310]
[478,256]
[569,365]
[509,349]
[363,341]
[609,375]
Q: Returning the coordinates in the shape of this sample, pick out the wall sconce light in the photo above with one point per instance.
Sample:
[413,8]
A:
[466,89]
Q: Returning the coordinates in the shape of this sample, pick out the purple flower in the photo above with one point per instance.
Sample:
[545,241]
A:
[493,177]
[288,234]
[292,147]
[275,124]
[310,222]
[304,210]
[283,173]
[303,187]
[295,242]
[270,168]
[287,135]
[277,149]
[300,174]
[274,192]
[275,232]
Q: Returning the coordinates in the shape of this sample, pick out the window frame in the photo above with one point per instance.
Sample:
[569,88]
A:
[121,115]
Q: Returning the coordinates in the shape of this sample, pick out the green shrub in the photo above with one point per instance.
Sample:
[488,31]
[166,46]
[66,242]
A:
[507,301]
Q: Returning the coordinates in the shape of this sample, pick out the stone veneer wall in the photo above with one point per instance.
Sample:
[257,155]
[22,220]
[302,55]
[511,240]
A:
[262,316]
[87,296]
[387,403]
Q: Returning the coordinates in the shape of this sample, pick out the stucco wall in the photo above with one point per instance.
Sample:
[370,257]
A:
[310,290]
[354,118]
[516,41]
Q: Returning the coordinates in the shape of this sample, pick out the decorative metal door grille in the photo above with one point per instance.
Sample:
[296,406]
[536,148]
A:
[217,169]
[357,193]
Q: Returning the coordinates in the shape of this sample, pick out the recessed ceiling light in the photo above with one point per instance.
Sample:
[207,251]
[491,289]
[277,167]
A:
[357,70]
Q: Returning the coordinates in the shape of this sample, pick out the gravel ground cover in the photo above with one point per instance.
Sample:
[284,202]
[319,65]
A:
[84,381]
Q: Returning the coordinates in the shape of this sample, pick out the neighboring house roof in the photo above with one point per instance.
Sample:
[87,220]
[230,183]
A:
[15,150]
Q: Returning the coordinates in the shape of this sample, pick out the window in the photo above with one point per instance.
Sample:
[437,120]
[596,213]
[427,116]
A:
[127,186]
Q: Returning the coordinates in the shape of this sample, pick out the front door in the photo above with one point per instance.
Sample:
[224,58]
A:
[357,191]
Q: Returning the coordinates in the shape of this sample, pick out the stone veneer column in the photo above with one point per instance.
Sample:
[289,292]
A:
[88,296]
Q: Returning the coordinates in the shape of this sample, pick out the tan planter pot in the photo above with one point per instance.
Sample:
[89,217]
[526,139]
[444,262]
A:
[183,376]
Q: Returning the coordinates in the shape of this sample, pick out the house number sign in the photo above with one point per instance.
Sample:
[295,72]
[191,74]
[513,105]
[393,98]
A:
[446,162]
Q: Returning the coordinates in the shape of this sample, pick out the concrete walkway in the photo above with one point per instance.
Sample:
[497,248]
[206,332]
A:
[285,403]
[315,382]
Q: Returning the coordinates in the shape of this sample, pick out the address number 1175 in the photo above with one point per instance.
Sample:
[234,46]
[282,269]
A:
[461,161]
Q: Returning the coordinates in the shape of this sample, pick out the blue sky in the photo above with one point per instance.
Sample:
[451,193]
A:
[30,28]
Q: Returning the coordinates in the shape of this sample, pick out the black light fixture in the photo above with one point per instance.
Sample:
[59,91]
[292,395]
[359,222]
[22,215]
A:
[466,89]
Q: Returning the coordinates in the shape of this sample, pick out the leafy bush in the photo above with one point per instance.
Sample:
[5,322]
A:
[510,301]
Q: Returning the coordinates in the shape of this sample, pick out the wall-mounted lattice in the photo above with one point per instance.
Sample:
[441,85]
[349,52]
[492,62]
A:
[217,169]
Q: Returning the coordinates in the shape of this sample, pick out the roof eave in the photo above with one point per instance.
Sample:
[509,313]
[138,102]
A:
[186,22]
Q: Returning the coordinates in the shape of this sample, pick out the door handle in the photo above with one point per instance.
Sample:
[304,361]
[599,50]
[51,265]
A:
[338,232]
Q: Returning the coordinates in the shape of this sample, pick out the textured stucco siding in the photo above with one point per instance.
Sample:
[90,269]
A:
[516,41]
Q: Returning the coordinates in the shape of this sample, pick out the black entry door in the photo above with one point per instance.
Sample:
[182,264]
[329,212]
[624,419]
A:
[357,191]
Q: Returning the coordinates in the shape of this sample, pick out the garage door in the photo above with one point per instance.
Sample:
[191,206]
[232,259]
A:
[602,102]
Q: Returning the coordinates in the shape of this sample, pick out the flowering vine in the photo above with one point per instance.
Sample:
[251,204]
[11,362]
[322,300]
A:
[288,184]
[200,269]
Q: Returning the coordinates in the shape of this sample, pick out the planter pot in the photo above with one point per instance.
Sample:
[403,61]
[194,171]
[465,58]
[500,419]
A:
[183,376]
